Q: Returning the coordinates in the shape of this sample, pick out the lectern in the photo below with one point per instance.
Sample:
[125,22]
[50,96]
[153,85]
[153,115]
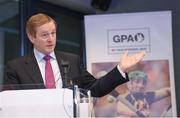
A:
[44,103]
[48,103]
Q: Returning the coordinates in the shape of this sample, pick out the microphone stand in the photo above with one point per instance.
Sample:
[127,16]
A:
[67,82]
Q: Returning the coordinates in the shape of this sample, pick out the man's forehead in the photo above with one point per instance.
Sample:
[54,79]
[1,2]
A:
[45,30]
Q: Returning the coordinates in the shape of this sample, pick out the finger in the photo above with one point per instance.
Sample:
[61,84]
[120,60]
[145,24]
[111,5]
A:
[139,56]
[125,54]
[142,53]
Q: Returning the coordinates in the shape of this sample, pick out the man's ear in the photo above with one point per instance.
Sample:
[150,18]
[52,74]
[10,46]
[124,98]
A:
[31,38]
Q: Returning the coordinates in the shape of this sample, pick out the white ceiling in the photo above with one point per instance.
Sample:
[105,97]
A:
[83,6]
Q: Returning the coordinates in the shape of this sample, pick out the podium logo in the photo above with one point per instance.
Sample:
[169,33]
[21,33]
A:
[133,40]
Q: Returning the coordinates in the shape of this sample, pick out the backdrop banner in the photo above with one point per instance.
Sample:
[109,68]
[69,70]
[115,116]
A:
[151,89]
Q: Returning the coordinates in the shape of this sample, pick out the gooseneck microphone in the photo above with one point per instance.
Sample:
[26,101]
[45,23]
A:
[67,82]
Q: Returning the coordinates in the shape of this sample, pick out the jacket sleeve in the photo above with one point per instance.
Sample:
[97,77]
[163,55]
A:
[104,85]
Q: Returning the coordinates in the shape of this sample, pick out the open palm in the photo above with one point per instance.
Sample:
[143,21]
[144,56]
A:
[128,61]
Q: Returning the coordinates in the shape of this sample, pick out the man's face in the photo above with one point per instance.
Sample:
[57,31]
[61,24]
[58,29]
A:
[138,85]
[45,40]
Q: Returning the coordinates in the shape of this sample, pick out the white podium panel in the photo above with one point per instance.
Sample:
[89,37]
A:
[39,103]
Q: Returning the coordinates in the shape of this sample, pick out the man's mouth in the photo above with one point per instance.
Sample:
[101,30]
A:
[49,45]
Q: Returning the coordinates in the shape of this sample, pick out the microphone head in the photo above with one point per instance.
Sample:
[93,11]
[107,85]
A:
[65,63]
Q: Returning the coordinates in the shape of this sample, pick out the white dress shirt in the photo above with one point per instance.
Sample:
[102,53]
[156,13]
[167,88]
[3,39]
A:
[56,71]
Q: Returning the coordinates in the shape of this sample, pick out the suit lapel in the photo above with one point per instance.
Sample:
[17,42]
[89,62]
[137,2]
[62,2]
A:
[33,70]
[59,60]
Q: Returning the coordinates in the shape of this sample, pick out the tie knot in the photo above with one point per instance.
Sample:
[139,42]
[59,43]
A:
[47,58]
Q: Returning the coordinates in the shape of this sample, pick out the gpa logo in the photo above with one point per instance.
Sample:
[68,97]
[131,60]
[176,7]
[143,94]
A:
[133,40]
[139,37]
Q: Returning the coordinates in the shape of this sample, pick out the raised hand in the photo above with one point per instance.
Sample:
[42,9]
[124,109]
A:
[128,61]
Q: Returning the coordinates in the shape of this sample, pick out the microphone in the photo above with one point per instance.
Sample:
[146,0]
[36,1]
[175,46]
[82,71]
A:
[67,82]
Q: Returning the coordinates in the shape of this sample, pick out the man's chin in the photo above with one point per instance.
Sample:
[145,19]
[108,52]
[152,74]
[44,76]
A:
[49,51]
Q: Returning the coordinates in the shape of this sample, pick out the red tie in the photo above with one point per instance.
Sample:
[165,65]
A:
[49,76]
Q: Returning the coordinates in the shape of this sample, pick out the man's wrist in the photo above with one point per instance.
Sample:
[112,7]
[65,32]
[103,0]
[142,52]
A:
[120,70]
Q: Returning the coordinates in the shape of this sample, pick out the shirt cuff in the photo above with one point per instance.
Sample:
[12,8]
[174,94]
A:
[122,73]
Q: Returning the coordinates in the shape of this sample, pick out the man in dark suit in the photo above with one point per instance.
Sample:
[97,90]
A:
[29,72]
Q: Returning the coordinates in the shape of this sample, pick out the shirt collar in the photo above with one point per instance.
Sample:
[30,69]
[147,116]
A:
[39,56]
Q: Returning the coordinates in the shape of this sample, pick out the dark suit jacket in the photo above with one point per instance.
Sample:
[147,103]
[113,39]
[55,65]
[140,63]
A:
[24,73]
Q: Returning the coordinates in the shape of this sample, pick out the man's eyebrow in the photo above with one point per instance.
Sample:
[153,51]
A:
[48,31]
[44,32]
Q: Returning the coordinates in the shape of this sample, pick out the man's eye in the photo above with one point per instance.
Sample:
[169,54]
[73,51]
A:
[44,35]
[53,33]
